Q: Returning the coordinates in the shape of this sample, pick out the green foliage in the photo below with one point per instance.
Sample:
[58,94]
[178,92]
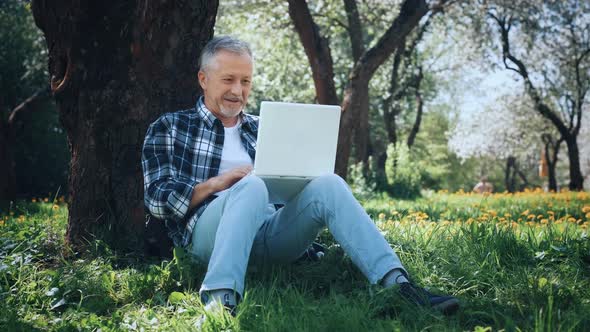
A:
[39,138]
[404,174]
[363,180]
[22,54]
[514,278]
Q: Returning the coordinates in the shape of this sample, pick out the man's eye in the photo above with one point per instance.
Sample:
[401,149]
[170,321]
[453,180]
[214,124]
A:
[227,79]
[246,81]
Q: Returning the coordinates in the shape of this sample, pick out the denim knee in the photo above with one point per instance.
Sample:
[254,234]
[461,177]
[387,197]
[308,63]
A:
[329,184]
[330,190]
[254,188]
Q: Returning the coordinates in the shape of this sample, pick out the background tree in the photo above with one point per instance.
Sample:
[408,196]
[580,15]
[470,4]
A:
[553,62]
[507,133]
[29,131]
[114,67]
[366,60]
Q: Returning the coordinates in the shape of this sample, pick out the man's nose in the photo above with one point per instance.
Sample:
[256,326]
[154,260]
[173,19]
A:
[236,89]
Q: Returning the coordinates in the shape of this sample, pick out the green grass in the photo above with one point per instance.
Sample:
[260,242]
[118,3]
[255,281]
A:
[531,274]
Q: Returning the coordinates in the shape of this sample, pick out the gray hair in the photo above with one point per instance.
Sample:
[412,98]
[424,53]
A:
[225,43]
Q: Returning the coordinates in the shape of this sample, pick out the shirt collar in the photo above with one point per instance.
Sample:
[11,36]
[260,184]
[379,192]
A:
[210,118]
[204,113]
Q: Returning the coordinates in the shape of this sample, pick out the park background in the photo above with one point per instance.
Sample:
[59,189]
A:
[434,100]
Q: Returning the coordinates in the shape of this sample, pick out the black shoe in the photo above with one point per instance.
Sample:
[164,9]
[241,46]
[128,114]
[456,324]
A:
[448,305]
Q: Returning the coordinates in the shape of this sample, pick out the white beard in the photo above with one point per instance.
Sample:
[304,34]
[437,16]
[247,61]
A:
[228,113]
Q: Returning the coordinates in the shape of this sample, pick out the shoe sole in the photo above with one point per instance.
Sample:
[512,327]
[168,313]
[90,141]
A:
[448,307]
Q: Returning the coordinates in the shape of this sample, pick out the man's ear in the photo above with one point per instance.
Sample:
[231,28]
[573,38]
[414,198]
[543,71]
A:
[202,79]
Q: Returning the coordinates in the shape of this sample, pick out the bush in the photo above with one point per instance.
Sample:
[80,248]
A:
[404,175]
[362,180]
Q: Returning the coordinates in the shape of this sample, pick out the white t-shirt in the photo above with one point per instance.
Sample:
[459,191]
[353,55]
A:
[233,154]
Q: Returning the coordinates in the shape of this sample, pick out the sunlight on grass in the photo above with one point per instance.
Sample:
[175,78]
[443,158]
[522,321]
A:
[516,261]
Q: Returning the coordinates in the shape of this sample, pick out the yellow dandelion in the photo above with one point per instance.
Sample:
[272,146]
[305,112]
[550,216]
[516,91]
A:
[551,213]
[540,216]
[544,221]
[571,219]
[525,212]
[588,215]
[55,207]
[21,218]
[34,200]
[586,209]
[381,216]
[531,216]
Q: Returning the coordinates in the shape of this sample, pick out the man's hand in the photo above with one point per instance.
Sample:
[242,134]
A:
[218,183]
[227,179]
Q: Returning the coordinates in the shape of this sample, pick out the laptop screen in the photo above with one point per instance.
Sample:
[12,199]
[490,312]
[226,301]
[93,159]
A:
[296,139]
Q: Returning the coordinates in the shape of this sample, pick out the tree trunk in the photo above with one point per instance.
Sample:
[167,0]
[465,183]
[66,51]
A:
[551,156]
[576,178]
[361,132]
[115,66]
[317,50]
[569,127]
[353,104]
[356,92]
[509,174]
[419,111]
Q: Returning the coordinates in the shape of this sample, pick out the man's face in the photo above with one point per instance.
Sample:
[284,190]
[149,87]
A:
[226,84]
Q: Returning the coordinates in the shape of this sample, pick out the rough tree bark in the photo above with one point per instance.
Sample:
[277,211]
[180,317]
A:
[569,128]
[114,67]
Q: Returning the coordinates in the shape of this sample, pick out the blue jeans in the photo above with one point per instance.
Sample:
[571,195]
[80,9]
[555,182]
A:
[241,224]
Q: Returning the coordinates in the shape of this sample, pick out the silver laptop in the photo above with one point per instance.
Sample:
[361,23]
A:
[296,143]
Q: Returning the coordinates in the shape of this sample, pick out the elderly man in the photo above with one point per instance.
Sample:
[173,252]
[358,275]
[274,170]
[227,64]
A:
[197,166]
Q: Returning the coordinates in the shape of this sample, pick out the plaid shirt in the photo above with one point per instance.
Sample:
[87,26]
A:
[181,150]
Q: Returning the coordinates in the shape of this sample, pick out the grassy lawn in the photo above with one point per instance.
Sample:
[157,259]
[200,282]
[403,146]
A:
[517,262]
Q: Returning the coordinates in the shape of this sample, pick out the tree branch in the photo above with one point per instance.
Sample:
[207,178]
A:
[355,31]
[333,19]
[410,14]
[26,105]
[317,50]
[581,90]
[504,25]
